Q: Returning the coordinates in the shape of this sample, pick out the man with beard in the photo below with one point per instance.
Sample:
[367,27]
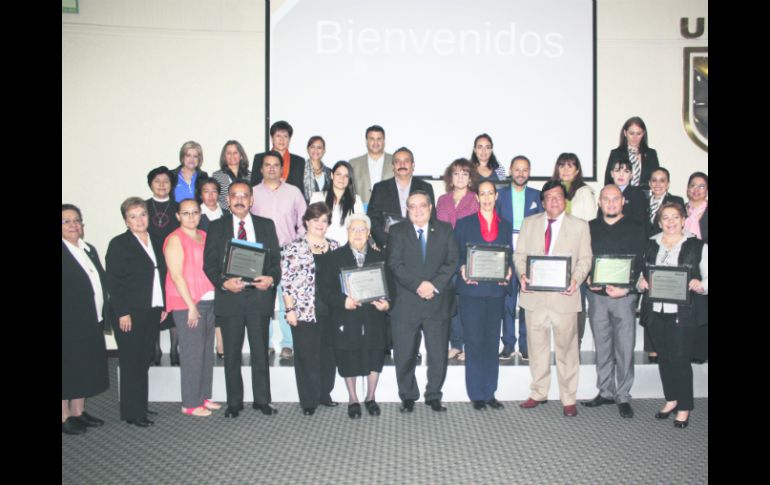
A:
[514,204]
[612,310]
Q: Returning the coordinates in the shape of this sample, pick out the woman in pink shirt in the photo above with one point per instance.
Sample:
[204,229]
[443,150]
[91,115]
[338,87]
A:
[190,299]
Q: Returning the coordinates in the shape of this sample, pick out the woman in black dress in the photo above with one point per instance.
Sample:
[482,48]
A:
[83,353]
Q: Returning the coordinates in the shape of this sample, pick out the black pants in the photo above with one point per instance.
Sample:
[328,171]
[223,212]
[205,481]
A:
[233,332]
[135,349]
[314,365]
[674,344]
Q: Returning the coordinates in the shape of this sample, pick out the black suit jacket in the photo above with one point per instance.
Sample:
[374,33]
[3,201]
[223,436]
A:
[78,314]
[649,163]
[704,226]
[405,262]
[296,171]
[130,273]
[225,302]
[385,199]
[654,228]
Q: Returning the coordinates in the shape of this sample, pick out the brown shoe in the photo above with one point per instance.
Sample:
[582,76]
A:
[570,411]
[531,403]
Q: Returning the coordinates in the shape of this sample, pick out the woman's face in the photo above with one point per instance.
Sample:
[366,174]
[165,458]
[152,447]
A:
[341,178]
[671,221]
[136,219]
[71,226]
[358,234]
[568,171]
[483,150]
[698,190]
[317,227]
[161,186]
[232,157]
[621,175]
[487,196]
[210,196]
[634,135]
[316,150]
[461,178]
[659,183]
[191,159]
[189,214]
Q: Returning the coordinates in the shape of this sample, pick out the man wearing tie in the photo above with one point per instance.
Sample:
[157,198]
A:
[422,255]
[553,233]
[241,305]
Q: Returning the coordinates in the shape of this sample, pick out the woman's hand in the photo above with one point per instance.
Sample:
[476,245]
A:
[467,281]
[193,316]
[291,318]
[696,286]
[382,304]
[351,304]
[125,323]
[642,285]
[163,315]
[507,277]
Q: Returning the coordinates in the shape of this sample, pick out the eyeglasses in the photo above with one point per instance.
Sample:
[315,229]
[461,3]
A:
[190,213]
[699,186]
[78,222]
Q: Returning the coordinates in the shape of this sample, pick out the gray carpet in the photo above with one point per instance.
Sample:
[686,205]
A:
[460,446]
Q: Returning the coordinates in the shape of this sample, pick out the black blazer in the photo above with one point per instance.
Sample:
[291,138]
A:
[385,199]
[130,273]
[203,225]
[364,327]
[704,226]
[654,228]
[296,171]
[649,163]
[78,315]
[405,262]
[228,303]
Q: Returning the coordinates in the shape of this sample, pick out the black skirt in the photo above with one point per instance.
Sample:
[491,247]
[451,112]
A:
[84,366]
[359,362]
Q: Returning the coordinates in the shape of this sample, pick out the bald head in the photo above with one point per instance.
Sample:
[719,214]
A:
[611,202]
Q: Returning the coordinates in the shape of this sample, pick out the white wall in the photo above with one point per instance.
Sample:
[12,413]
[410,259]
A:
[140,78]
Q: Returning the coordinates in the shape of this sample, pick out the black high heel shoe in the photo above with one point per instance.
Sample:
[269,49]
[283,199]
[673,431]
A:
[662,415]
[682,424]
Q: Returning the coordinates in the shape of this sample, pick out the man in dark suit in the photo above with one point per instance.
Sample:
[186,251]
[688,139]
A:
[388,201]
[514,204]
[422,255]
[293,166]
[241,304]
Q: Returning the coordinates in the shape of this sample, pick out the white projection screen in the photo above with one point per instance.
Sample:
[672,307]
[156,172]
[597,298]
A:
[435,74]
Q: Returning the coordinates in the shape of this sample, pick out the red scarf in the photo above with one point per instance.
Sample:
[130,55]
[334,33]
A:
[286,164]
[489,235]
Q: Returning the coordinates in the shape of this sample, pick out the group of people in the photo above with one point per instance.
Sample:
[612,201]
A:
[166,271]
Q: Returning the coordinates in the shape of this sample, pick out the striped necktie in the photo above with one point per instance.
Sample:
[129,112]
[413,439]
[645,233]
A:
[636,166]
[241,231]
[654,205]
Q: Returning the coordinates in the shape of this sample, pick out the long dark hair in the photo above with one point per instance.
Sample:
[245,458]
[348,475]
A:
[492,163]
[623,143]
[348,200]
[578,182]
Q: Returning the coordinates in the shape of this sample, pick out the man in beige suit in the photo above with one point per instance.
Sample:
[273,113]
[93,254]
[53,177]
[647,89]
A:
[553,233]
[373,167]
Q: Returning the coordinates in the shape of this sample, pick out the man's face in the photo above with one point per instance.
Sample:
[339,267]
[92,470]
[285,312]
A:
[418,207]
[403,165]
[375,142]
[611,202]
[271,169]
[281,140]
[520,172]
[554,202]
[240,200]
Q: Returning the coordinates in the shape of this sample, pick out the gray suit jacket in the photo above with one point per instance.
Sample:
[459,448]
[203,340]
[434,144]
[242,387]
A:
[574,240]
[362,181]
[405,263]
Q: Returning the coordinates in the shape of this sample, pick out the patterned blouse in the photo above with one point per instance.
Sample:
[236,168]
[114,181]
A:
[298,276]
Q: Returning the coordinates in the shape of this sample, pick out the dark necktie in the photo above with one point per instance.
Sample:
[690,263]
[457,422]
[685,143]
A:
[548,236]
[241,231]
[422,243]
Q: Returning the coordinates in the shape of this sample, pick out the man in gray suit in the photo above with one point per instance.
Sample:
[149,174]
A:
[376,165]
[422,255]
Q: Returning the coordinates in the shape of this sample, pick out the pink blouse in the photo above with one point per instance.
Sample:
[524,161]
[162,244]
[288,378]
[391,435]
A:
[692,223]
[447,212]
[198,283]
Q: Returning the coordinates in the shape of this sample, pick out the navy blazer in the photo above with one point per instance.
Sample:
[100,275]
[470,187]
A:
[405,262]
[504,205]
[130,273]
[225,302]
[385,199]
[468,230]
[296,171]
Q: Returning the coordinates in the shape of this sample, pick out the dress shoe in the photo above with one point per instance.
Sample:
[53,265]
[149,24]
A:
[73,425]
[141,422]
[232,412]
[495,404]
[597,401]
[329,403]
[407,406]
[681,424]
[524,356]
[175,360]
[531,403]
[570,411]
[90,421]
[287,353]
[652,359]
[151,412]
[308,411]
[435,404]
[372,408]
[506,354]
[265,408]
[479,405]
[354,410]
[666,414]
[625,410]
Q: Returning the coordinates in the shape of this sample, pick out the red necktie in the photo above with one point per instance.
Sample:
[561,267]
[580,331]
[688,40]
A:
[241,231]
[548,236]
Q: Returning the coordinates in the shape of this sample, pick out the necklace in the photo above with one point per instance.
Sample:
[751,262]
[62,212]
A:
[320,168]
[318,247]
[160,219]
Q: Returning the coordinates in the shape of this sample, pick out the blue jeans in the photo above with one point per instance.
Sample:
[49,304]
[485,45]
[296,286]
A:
[509,321]
[286,339]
